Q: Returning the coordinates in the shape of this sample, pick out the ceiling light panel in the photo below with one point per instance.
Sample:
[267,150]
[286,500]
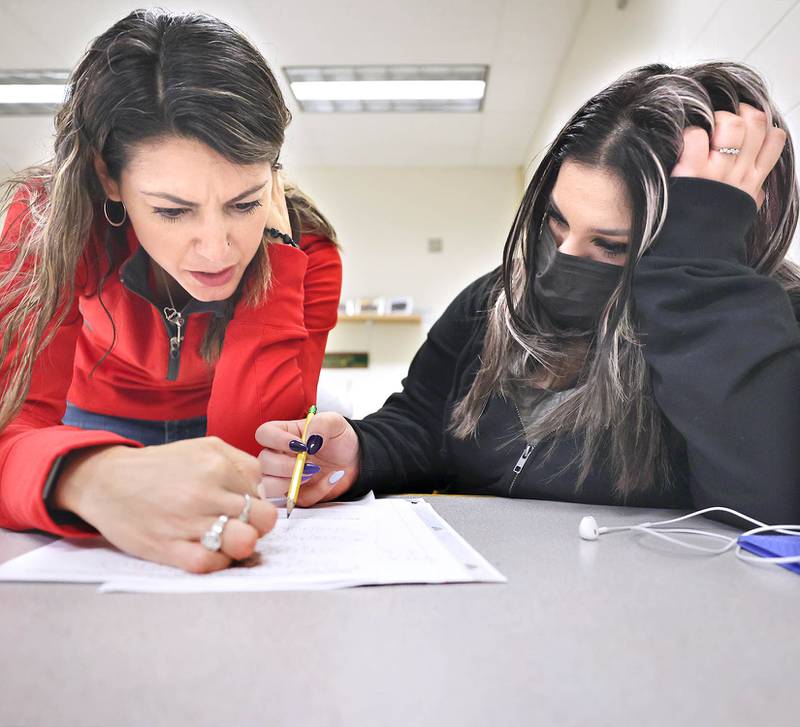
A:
[388,89]
[31,93]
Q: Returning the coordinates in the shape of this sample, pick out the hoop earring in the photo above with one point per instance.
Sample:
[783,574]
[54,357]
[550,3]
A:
[109,220]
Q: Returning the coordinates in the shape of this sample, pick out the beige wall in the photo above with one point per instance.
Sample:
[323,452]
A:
[385,216]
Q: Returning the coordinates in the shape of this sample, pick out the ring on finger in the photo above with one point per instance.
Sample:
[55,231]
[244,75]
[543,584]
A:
[212,538]
[244,515]
[731,150]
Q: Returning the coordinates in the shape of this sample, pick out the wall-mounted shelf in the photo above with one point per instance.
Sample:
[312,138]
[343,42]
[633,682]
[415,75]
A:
[375,318]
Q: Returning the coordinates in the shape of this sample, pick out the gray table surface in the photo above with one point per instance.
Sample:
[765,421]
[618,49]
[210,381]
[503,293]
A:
[623,631]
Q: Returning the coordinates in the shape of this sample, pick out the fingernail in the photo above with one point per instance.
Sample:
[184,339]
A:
[297,446]
[335,477]
[260,490]
[311,468]
[305,477]
[314,443]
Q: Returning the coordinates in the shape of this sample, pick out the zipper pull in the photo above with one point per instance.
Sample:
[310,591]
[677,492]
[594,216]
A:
[179,327]
[523,458]
[176,318]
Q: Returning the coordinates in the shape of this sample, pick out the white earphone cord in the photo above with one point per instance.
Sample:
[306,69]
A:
[590,531]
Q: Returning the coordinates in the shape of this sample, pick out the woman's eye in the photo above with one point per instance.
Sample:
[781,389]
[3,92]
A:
[173,214]
[248,207]
[170,213]
[557,220]
[612,249]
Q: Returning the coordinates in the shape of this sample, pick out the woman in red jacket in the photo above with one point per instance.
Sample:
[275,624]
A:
[157,285]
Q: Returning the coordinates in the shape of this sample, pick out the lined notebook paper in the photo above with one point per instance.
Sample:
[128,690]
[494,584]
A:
[336,545]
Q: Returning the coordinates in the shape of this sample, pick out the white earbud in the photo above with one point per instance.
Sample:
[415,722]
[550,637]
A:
[588,529]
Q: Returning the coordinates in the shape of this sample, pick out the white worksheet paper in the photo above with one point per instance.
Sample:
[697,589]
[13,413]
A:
[337,545]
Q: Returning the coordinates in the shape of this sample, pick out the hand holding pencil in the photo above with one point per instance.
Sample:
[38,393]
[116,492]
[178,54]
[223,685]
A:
[327,469]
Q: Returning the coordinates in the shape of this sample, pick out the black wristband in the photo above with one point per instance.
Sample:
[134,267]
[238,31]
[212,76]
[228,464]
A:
[59,517]
[287,239]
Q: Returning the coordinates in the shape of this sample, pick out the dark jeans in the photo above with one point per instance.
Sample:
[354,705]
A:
[146,431]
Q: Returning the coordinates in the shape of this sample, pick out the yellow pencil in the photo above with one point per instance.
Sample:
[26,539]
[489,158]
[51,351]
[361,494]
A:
[299,465]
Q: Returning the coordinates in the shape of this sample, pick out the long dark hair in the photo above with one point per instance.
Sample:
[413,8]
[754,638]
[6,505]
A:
[152,74]
[634,129]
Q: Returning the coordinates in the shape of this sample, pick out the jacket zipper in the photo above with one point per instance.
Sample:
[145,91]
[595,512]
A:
[527,451]
[174,322]
[174,318]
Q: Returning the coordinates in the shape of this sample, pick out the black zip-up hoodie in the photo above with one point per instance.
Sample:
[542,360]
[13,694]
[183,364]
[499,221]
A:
[723,345]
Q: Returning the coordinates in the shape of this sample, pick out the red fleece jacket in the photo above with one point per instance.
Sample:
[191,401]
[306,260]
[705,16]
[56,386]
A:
[268,369]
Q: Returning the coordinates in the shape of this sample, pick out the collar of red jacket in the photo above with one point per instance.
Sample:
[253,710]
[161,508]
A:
[134,275]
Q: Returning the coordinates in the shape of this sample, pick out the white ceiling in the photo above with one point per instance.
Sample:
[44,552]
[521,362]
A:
[522,41]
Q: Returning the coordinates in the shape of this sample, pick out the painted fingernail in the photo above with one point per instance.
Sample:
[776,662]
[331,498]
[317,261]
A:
[335,477]
[305,477]
[311,468]
[314,443]
[297,446]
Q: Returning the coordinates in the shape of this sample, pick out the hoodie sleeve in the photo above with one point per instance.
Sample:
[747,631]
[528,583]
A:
[401,444]
[723,345]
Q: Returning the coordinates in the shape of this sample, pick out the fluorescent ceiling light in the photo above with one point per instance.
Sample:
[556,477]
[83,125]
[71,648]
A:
[40,93]
[32,92]
[388,88]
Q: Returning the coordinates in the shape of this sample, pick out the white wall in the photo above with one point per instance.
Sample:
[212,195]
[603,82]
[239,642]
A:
[610,41]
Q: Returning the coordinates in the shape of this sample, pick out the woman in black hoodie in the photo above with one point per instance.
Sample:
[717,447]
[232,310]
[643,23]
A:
[640,342]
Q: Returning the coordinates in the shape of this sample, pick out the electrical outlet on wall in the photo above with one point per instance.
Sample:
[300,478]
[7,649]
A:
[435,244]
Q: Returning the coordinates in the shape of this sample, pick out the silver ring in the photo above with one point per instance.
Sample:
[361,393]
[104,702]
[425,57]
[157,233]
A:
[212,538]
[732,150]
[244,515]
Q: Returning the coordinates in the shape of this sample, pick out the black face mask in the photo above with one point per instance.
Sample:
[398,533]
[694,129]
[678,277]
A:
[572,290]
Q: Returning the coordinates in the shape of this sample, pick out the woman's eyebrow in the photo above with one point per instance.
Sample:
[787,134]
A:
[186,203]
[598,230]
[611,233]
